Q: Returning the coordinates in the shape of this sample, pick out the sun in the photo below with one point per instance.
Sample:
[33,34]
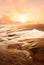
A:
[18,17]
[22,18]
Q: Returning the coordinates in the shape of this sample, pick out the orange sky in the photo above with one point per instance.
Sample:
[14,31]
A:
[32,9]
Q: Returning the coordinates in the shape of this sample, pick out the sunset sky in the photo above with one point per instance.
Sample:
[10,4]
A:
[31,10]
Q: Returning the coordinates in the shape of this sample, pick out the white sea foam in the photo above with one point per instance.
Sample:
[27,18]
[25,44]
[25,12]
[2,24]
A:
[34,33]
[31,34]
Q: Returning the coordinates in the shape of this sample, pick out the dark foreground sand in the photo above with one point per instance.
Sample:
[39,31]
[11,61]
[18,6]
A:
[33,55]
[13,57]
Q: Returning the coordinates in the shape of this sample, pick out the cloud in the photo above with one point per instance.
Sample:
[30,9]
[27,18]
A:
[33,8]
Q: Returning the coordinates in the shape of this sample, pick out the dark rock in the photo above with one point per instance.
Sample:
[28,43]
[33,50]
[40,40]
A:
[14,46]
[37,51]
